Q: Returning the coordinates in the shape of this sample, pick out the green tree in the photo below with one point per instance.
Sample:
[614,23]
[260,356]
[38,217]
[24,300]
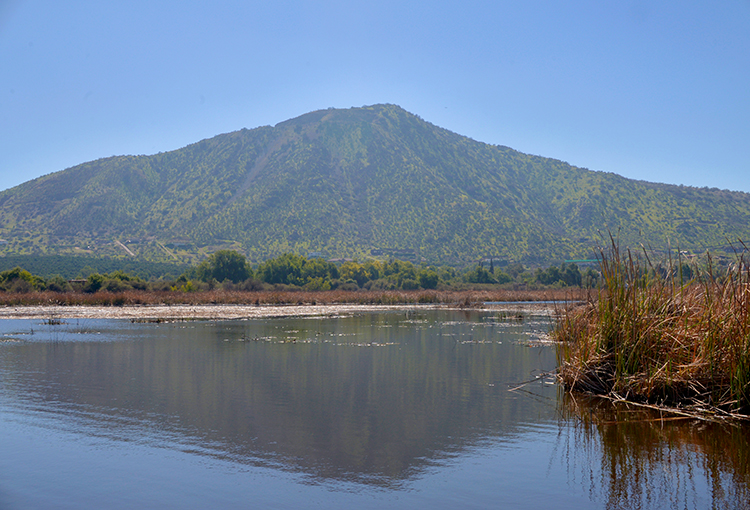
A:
[480,274]
[224,265]
[286,269]
[20,280]
[567,275]
[571,275]
[502,277]
[57,283]
[428,279]
[354,271]
[318,268]
[16,273]
[93,283]
[409,284]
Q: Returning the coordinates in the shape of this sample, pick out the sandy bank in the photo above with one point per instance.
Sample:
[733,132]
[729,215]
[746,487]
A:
[226,312]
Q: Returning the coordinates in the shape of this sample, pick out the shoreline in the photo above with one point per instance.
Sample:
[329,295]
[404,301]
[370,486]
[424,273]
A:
[237,312]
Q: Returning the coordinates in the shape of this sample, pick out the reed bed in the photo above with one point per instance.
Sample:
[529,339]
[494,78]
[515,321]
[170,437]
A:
[466,298]
[659,340]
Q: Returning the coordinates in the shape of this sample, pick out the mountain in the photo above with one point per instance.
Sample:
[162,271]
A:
[371,181]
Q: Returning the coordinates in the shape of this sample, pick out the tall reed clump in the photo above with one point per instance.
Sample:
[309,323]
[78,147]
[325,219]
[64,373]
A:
[651,336]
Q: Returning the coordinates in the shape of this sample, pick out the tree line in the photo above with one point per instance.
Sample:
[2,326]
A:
[230,270]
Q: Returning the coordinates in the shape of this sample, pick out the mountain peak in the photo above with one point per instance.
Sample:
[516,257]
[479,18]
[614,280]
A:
[369,181]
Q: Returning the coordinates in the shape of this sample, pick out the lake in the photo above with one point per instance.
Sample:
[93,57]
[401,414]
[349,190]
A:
[400,409]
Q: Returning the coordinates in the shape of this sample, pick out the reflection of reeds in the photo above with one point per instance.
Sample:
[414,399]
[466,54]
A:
[639,458]
[652,338]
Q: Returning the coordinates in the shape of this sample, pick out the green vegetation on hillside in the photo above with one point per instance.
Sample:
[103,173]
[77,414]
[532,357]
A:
[70,267]
[355,183]
[230,270]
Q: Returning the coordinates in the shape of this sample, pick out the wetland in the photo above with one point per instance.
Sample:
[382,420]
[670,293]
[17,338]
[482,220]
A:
[350,407]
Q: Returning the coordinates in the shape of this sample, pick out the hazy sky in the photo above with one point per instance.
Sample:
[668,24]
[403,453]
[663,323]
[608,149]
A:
[658,91]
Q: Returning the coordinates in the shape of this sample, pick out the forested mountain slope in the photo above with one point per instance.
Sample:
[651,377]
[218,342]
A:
[353,183]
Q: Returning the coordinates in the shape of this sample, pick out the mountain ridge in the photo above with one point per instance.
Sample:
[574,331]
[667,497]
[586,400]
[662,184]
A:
[353,183]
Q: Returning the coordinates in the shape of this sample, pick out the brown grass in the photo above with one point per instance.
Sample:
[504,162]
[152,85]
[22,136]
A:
[470,298]
[650,339]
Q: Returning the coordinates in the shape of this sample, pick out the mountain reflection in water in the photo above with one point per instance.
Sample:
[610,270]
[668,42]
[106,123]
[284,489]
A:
[393,409]
[374,398]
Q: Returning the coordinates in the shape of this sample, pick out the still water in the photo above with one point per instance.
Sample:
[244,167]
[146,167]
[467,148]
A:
[409,409]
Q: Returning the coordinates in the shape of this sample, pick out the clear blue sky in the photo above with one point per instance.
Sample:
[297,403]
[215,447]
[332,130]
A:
[658,91]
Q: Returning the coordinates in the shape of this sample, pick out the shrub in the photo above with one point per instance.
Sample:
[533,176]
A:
[224,265]
[345,285]
[114,285]
[251,285]
[58,284]
[409,284]
[93,283]
[428,279]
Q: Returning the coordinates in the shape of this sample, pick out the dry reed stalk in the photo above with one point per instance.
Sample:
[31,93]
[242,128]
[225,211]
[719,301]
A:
[287,297]
[658,340]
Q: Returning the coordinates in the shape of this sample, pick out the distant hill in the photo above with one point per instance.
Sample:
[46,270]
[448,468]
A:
[77,266]
[372,181]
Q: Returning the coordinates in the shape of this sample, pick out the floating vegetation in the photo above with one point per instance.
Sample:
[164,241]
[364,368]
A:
[507,317]
[669,335]
[539,339]
[163,320]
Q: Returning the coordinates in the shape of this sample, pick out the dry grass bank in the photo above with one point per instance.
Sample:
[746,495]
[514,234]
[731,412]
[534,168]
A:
[270,297]
[653,340]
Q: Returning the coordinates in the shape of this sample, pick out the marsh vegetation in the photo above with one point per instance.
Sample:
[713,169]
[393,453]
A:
[670,334]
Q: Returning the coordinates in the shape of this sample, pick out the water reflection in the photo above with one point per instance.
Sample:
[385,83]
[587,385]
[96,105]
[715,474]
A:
[413,407]
[376,398]
[631,457]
